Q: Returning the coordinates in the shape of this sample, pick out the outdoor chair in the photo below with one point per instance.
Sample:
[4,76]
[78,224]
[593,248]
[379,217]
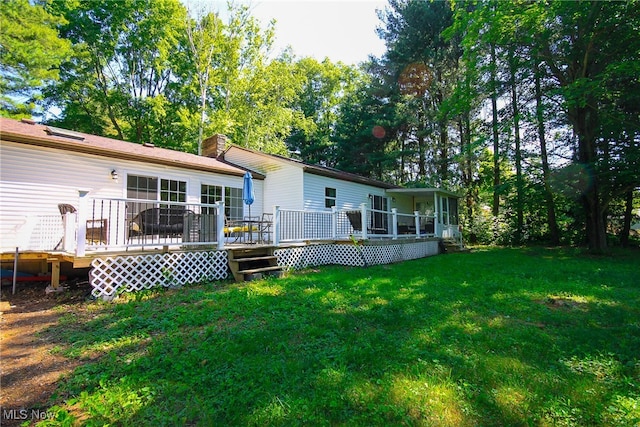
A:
[64,209]
[355,218]
[429,227]
[164,221]
[266,227]
[233,229]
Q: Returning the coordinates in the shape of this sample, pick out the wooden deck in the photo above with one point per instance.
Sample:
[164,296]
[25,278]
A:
[42,259]
[246,261]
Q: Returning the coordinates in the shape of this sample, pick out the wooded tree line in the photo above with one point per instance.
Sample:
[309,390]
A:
[531,110]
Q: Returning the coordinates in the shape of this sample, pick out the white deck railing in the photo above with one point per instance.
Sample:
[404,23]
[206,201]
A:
[123,224]
[308,225]
[112,224]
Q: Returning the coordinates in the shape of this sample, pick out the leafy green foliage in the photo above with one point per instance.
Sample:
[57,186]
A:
[30,53]
[325,88]
[451,340]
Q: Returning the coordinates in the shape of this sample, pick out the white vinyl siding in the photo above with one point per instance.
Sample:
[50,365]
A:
[349,195]
[283,185]
[34,180]
[403,203]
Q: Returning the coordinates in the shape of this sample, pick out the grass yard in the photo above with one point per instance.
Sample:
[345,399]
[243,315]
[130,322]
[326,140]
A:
[496,337]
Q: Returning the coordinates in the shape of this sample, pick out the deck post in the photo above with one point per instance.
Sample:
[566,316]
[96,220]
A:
[82,223]
[220,224]
[276,225]
[436,224]
[15,270]
[334,222]
[416,215]
[69,221]
[365,224]
[394,226]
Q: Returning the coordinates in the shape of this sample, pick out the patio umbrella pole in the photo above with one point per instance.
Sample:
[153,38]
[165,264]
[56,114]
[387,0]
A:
[248,197]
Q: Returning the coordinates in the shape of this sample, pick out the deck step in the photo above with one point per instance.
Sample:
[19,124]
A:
[455,247]
[250,263]
[261,269]
[256,258]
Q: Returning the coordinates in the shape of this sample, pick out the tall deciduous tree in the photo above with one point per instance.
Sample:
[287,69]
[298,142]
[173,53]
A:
[581,42]
[205,42]
[325,87]
[30,54]
[122,69]
[423,64]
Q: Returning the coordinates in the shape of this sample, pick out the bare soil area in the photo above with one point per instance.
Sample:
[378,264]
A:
[29,370]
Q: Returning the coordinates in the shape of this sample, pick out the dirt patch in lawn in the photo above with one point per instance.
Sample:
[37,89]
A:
[29,371]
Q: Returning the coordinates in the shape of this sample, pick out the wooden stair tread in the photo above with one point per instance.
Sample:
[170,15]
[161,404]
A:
[260,269]
[244,262]
[258,258]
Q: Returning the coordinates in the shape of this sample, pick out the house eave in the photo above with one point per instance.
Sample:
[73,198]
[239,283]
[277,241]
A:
[346,176]
[417,192]
[85,147]
[315,169]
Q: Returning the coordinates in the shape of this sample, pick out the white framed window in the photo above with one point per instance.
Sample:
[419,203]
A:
[152,188]
[142,187]
[210,194]
[155,190]
[233,204]
[173,191]
[379,220]
[232,196]
[330,197]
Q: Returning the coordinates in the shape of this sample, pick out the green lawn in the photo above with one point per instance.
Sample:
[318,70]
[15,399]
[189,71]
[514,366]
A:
[495,337]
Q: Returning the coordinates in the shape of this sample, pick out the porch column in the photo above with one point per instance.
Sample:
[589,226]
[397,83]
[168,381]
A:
[363,219]
[394,219]
[220,224]
[83,206]
[416,215]
[276,225]
[334,222]
[436,214]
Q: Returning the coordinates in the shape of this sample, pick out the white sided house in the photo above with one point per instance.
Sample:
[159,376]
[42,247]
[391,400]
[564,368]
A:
[140,216]
[297,186]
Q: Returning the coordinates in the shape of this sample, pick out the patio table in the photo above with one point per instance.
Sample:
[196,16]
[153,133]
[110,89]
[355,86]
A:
[248,226]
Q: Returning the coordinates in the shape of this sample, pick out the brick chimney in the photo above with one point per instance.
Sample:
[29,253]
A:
[214,146]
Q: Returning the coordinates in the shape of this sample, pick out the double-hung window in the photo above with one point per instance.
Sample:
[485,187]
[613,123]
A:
[330,196]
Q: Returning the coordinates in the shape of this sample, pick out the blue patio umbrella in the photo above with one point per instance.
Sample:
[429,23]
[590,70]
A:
[248,195]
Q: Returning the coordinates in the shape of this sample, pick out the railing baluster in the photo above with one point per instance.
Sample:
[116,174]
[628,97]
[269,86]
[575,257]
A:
[113,223]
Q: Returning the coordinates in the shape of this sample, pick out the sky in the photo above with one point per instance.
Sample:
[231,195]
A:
[340,30]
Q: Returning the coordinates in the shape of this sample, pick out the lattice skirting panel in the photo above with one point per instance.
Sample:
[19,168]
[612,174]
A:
[126,273]
[112,275]
[296,258]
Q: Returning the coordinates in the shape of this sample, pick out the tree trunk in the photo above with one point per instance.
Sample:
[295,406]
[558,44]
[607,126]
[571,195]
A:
[584,120]
[466,179]
[494,126]
[443,167]
[554,234]
[518,151]
[103,87]
[628,212]
[422,145]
